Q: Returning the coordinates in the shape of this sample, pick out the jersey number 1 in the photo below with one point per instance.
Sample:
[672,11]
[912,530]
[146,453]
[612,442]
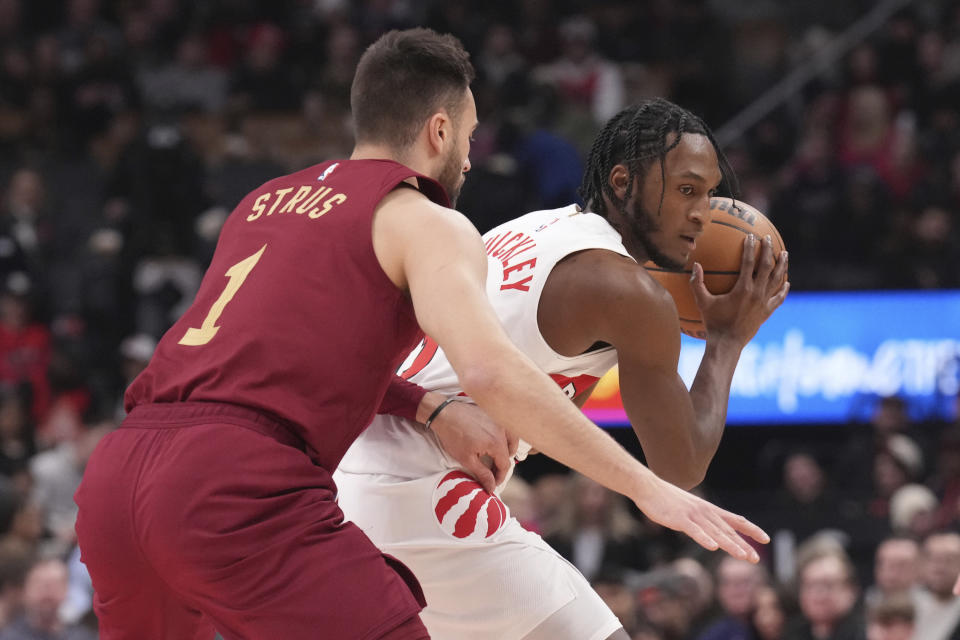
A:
[237,274]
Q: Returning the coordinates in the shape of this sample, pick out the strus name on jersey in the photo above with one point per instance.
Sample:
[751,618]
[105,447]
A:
[508,247]
[313,200]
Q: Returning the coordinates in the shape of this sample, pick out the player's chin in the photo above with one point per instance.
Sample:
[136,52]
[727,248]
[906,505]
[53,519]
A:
[674,261]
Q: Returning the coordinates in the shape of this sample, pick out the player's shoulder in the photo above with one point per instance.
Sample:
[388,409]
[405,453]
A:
[608,296]
[407,206]
[611,275]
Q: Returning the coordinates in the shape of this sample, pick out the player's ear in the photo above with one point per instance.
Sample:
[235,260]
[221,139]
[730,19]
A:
[439,131]
[619,178]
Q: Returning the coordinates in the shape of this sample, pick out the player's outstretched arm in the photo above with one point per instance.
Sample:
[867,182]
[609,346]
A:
[439,256]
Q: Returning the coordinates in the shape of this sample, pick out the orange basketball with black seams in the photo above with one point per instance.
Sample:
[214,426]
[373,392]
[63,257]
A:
[719,251]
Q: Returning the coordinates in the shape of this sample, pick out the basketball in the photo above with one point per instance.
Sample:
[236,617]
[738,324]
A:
[719,251]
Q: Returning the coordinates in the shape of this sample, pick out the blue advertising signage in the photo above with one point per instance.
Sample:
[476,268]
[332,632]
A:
[826,357]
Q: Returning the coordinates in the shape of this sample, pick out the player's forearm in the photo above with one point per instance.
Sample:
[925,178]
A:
[528,404]
[406,399]
[430,401]
[710,393]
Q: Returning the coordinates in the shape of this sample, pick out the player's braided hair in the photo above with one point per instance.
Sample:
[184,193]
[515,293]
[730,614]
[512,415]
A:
[637,137]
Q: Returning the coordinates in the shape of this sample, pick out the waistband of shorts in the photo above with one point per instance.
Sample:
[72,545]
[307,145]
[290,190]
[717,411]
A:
[175,415]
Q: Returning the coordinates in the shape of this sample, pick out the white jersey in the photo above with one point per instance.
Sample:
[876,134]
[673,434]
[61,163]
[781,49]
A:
[520,254]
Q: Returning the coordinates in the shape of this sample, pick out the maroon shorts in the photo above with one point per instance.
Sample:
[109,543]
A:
[200,516]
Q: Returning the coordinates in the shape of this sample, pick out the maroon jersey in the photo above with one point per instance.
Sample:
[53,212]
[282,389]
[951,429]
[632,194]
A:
[295,317]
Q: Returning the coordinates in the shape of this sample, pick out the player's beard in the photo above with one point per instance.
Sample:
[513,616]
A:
[451,175]
[643,225]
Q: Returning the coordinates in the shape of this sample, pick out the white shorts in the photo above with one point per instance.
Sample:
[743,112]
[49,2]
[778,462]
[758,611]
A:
[484,576]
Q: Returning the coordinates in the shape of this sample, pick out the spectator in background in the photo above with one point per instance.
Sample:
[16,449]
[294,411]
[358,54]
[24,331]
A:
[21,524]
[135,354]
[56,475]
[17,444]
[140,42]
[937,608]
[548,162]
[25,220]
[343,49]
[663,603]
[189,82]
[897,463]
[77,607]
[827,588]
[946,477]
[321,130]
[700,598]
[156,192]
[927,255]
[14,77]
[263,82]
[592,87]
[896,570]
[499,62]
[805,505]
[891,618]
[83,21]
[44,591]
[25,345]
[810,198]
[48,97]
[913,511]
[889,416]
[102,89]
[598,531]
[611,585]
[11,23]
[871,136]
[551,495]
[737,585]
[769,616]
[14,564]
[519,498]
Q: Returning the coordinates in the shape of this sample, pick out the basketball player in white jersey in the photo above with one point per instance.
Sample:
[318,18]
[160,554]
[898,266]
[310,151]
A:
[569,287]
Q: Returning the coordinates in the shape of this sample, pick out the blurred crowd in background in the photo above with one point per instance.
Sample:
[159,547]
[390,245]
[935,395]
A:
[130,128]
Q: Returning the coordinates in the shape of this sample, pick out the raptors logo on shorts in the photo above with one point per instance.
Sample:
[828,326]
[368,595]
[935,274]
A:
[464,510]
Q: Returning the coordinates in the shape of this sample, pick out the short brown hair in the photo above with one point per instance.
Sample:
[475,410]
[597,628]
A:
[815,550]
[403,78]
[892,609]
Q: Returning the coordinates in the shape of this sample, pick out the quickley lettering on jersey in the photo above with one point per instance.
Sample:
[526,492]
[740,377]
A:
[506,247]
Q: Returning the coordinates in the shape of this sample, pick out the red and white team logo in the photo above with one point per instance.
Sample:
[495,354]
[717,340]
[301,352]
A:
[464,510]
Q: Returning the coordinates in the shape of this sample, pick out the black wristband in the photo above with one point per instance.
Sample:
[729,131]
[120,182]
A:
[436,412]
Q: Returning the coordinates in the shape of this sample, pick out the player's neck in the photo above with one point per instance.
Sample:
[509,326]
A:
[373,151]
[630,242]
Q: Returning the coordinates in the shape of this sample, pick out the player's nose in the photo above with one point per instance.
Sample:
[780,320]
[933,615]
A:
[700,213]
[466,164]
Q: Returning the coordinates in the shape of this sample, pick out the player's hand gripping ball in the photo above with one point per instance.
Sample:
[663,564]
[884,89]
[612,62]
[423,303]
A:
[719,251]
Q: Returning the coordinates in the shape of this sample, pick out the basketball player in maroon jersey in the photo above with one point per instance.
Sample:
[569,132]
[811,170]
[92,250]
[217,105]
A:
[212,506]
